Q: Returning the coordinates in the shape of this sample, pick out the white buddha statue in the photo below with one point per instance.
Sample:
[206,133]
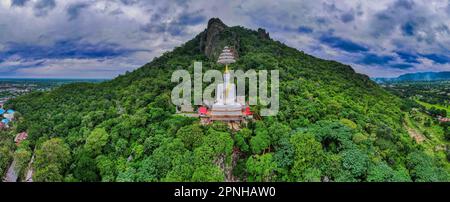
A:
[226,107]
[226,91]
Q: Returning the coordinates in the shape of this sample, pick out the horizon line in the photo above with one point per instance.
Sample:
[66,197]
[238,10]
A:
[62,78]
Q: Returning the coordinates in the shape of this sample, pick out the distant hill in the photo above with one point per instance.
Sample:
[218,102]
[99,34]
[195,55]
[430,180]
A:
[420,76]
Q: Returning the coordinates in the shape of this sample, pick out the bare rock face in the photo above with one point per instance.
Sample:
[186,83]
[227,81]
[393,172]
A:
[215,37]
[215,27]
[263,34]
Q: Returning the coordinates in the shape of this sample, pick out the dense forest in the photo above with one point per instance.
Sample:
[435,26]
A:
[333,125]
[433,92]
[427,107]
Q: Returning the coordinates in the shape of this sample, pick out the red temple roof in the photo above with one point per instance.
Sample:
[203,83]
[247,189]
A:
[247,111]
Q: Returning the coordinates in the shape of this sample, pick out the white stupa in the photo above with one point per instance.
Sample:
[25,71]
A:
[226,107]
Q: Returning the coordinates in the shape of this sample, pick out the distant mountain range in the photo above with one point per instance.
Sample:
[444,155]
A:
[420,76]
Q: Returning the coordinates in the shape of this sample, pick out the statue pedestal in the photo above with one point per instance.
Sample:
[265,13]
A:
[222,112]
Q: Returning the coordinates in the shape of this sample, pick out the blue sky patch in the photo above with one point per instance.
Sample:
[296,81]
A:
[66,49]
[305,30]
[437,58]
[343,44]
[408,29]
[408,57]
[402,66]
[373,59]
[18,2]
[347,17]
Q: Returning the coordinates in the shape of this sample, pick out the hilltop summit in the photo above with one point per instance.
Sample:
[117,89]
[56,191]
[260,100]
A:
[212,38]
[218,34]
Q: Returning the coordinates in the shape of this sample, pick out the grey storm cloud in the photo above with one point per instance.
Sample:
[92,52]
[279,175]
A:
[406,4]
[378,38]
[74,10]
[42,7]
[347,17]
[129,2]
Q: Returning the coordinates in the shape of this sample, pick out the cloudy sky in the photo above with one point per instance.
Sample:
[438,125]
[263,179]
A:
[104,38]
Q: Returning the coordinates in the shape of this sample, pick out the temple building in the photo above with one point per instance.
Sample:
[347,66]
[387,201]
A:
[227,106]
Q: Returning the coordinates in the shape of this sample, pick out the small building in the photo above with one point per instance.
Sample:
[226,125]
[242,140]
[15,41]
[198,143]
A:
[5,121]
[2,111]
[9,114]
[20,137]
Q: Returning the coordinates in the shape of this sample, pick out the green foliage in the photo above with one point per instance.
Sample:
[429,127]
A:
[333,135]
[423,169]
[96,140]
[129,175]
[182,170]
[333,125]
[208,174]
[241,143]
[308,156]
[356,162]
[381,172]
[447,133]
[242,138]
[284,153]
[52,158]
[220,142]
[106,168]
[190,135]
[278,131]
[6,151]
[50,173]
[261,140]
[22,157]
[85,168]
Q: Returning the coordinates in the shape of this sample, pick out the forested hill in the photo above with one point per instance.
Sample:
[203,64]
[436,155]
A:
[333,124]
[419,76]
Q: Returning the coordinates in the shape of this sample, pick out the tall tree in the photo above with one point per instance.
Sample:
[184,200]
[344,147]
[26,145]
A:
[261,168]
[96,140]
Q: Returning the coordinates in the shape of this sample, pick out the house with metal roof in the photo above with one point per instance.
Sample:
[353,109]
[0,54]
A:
[5,121]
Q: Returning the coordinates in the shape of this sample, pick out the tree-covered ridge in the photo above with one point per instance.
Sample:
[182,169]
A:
[333,124]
